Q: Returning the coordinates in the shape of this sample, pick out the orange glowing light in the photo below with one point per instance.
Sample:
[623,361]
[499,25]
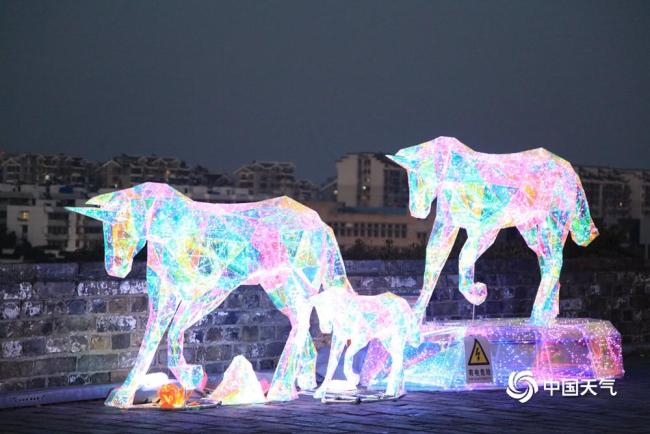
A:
[171,396]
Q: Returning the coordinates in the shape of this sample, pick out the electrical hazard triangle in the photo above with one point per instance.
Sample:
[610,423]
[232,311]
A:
[478,356]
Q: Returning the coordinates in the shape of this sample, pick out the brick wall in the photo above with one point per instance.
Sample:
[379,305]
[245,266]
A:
[71,324]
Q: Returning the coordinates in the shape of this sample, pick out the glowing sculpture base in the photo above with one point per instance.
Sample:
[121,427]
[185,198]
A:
[579,349]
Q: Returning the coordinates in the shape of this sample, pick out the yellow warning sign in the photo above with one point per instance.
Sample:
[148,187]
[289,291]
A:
[478,356]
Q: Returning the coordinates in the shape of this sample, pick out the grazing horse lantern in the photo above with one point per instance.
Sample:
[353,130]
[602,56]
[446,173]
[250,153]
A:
[536,191]
[198,253]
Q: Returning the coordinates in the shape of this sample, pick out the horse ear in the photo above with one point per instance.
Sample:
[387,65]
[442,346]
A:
[102,199]
[402,161]
[96,213]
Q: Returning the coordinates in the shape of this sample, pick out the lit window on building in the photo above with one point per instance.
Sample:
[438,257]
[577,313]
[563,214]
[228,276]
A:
[23,216]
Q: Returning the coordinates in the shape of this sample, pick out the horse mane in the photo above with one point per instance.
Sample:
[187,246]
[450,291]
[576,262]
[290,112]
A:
[144,191]
[156,190]
[442,148]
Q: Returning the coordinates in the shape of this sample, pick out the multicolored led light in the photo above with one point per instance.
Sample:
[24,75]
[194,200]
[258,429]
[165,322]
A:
[535,191]
[198,253]
[386,318]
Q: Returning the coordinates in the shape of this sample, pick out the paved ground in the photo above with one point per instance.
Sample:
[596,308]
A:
[476,412]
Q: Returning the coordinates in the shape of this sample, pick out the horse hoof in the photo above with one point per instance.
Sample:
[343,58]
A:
[307,382]
[281,393]
[120,398]
[190,376]
[476,294]
[319,393]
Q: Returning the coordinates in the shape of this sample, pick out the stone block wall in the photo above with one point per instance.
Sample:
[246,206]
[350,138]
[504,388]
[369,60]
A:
[71,324]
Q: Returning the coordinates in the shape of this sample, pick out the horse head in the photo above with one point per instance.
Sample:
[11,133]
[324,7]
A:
[331,307]
[125,215]
[324,303]
[425,165]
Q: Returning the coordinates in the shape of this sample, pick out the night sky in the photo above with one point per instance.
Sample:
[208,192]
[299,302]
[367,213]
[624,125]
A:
[223,83]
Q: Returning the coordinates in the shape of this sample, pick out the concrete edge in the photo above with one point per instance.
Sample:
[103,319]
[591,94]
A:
[57,395]
[54,395]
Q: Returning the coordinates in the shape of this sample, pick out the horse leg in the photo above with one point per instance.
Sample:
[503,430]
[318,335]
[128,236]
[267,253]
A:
[440,243]
[162,306]
[395,380]
[307,369]
[548,245]
[476,244]
[189,312]
[292,301]
[354,347]
[335,354]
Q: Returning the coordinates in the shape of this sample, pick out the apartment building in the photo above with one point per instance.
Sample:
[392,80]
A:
[619,197]
[126,171]
[374,226]
[370,180]
[36,215]
[40,169]
[274,178]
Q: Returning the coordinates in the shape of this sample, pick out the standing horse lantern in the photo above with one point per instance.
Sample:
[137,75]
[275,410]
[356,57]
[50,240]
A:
[198,253]
[535,191]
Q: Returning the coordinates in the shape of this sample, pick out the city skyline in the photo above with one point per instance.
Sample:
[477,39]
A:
[224,83]
[243,164]
[367,200]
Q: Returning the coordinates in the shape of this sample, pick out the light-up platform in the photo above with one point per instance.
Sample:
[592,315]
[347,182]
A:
[472,354]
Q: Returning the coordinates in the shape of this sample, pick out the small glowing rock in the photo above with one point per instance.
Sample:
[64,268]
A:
[239,384]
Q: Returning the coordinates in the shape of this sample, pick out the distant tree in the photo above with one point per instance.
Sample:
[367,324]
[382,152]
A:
[359,250]
[7,240]
[84,255]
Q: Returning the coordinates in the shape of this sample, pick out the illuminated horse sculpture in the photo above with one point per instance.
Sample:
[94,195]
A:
[535,190]
[197,253]
[358,319]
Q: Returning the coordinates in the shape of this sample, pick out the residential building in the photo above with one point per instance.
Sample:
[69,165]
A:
[608,193]
[126,171]
[619,197]
[327,191]
[36,215]
[274,178]
[370,180]
[41,169]
[200,175]
[374,226]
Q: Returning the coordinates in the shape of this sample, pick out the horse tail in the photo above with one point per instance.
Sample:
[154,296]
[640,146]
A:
[583,230]
[334,275]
